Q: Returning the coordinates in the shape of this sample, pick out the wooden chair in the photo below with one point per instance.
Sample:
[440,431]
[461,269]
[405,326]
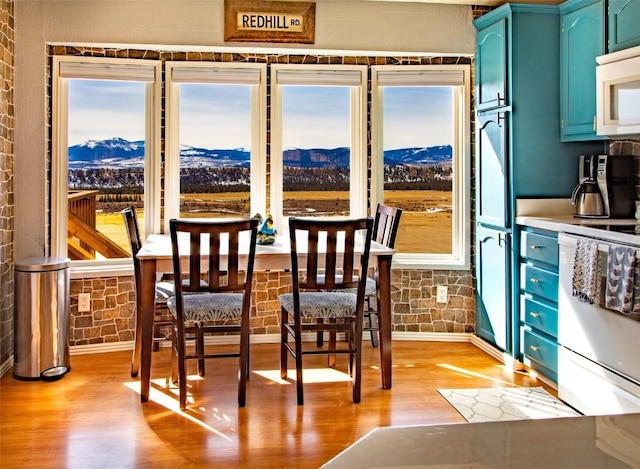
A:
[323,298]
[164,289]
[385,229]
[219,304]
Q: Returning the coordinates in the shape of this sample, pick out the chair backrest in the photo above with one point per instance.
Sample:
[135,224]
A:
[385,227]
[211,251]
[133,231]
[326,263]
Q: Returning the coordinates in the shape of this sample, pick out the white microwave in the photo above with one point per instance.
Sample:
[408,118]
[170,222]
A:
[618,93]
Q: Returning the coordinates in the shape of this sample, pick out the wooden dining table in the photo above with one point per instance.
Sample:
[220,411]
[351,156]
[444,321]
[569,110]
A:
[156,256]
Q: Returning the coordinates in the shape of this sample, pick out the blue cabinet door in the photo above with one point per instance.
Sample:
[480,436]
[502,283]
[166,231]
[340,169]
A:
[581,41]
[493,277]
[491,66]
[624,24]
[492,169]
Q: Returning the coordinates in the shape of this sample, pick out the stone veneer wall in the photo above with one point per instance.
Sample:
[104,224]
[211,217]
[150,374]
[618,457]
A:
[7,41]
[111,318]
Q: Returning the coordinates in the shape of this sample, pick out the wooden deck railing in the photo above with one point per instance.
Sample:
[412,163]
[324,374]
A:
[83,239]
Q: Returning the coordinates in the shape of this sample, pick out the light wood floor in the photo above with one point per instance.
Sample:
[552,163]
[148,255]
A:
[93,417]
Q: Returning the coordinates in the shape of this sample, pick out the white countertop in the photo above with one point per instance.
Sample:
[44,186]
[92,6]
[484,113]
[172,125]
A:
[584,442]
[601,228]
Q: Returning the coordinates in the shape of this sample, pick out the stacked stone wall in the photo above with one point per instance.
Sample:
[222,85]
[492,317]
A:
[7,42]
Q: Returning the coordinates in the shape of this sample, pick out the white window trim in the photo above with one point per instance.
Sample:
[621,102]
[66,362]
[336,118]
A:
[459,259]
[354,76]
[106,69]
[219,72]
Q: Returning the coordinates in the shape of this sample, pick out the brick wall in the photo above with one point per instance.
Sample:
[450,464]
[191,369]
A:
[7,41]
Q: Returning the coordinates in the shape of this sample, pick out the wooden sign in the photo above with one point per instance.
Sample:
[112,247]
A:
[266,21]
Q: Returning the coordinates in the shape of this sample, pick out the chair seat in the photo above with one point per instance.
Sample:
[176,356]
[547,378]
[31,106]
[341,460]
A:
[164,290]
[326,305]
[202,307]
[370,288]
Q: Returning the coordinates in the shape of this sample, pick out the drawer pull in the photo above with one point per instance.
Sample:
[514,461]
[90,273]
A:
[535,280]
[533,314]
[534,348]
[533,246]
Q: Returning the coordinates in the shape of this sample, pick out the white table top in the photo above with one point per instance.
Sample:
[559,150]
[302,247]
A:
[572,442]
[275,256]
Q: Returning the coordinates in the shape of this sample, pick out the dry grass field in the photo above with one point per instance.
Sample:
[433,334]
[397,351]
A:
[425,225]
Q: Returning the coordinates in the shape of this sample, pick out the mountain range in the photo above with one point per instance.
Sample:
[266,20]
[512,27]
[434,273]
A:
[120,153]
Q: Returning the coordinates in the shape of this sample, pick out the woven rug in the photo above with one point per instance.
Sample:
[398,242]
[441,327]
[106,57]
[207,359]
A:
[494,404]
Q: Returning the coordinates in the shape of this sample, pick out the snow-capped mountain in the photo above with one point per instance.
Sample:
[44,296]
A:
[120,153]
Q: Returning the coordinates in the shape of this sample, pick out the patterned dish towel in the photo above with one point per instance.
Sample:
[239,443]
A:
[620,279]
[585,272]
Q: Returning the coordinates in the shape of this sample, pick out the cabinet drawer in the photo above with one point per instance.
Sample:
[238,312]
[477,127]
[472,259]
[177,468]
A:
[539,316]
[540,282]
[542,353]
[539,247]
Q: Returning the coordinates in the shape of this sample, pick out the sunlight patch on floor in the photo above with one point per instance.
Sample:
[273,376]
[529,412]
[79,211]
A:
[473,374]
[172,403]
[315,375]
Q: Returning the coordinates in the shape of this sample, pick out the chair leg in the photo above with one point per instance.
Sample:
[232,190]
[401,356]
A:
[298,356]
[182,372]
[319,335]
[373,325]
[357,372]
[175,374]
[243,371]
[284,337]
[331,358]
[137,345]
[372,314]
[200,351]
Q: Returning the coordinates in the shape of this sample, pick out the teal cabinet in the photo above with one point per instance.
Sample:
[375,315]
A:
[493,290]
[518,151]
[491,66]
[624,24]
[539,301]
[581,41]
[492,169]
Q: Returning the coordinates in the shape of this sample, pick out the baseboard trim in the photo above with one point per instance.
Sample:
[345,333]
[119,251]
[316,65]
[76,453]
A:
[6,366]
[275,338]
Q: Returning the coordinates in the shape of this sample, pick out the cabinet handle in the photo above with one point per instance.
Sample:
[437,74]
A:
[533,314]
[534,348]
[533,246]
[534,280]
[500,118]
[500,99]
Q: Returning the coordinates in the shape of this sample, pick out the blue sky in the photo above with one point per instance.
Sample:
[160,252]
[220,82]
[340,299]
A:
[218,116]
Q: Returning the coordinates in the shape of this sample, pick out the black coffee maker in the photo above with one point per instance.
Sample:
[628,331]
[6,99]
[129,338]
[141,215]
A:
[615,175]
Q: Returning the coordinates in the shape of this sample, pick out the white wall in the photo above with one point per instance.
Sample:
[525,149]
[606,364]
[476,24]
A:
[365,27]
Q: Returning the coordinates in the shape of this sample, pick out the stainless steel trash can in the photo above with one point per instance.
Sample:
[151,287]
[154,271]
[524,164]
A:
[41,318]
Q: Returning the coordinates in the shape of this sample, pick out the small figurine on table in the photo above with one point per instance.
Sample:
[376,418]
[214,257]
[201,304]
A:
[267,232]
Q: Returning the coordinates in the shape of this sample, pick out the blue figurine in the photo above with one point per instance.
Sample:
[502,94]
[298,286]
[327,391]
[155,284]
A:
[267,232]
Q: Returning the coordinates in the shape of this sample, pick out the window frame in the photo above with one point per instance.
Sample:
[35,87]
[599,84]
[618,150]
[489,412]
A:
[354,76]
[101,68]
[424,75]
[228,72]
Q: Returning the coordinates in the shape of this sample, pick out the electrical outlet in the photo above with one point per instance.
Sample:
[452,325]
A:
[84,302]
[441,294]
